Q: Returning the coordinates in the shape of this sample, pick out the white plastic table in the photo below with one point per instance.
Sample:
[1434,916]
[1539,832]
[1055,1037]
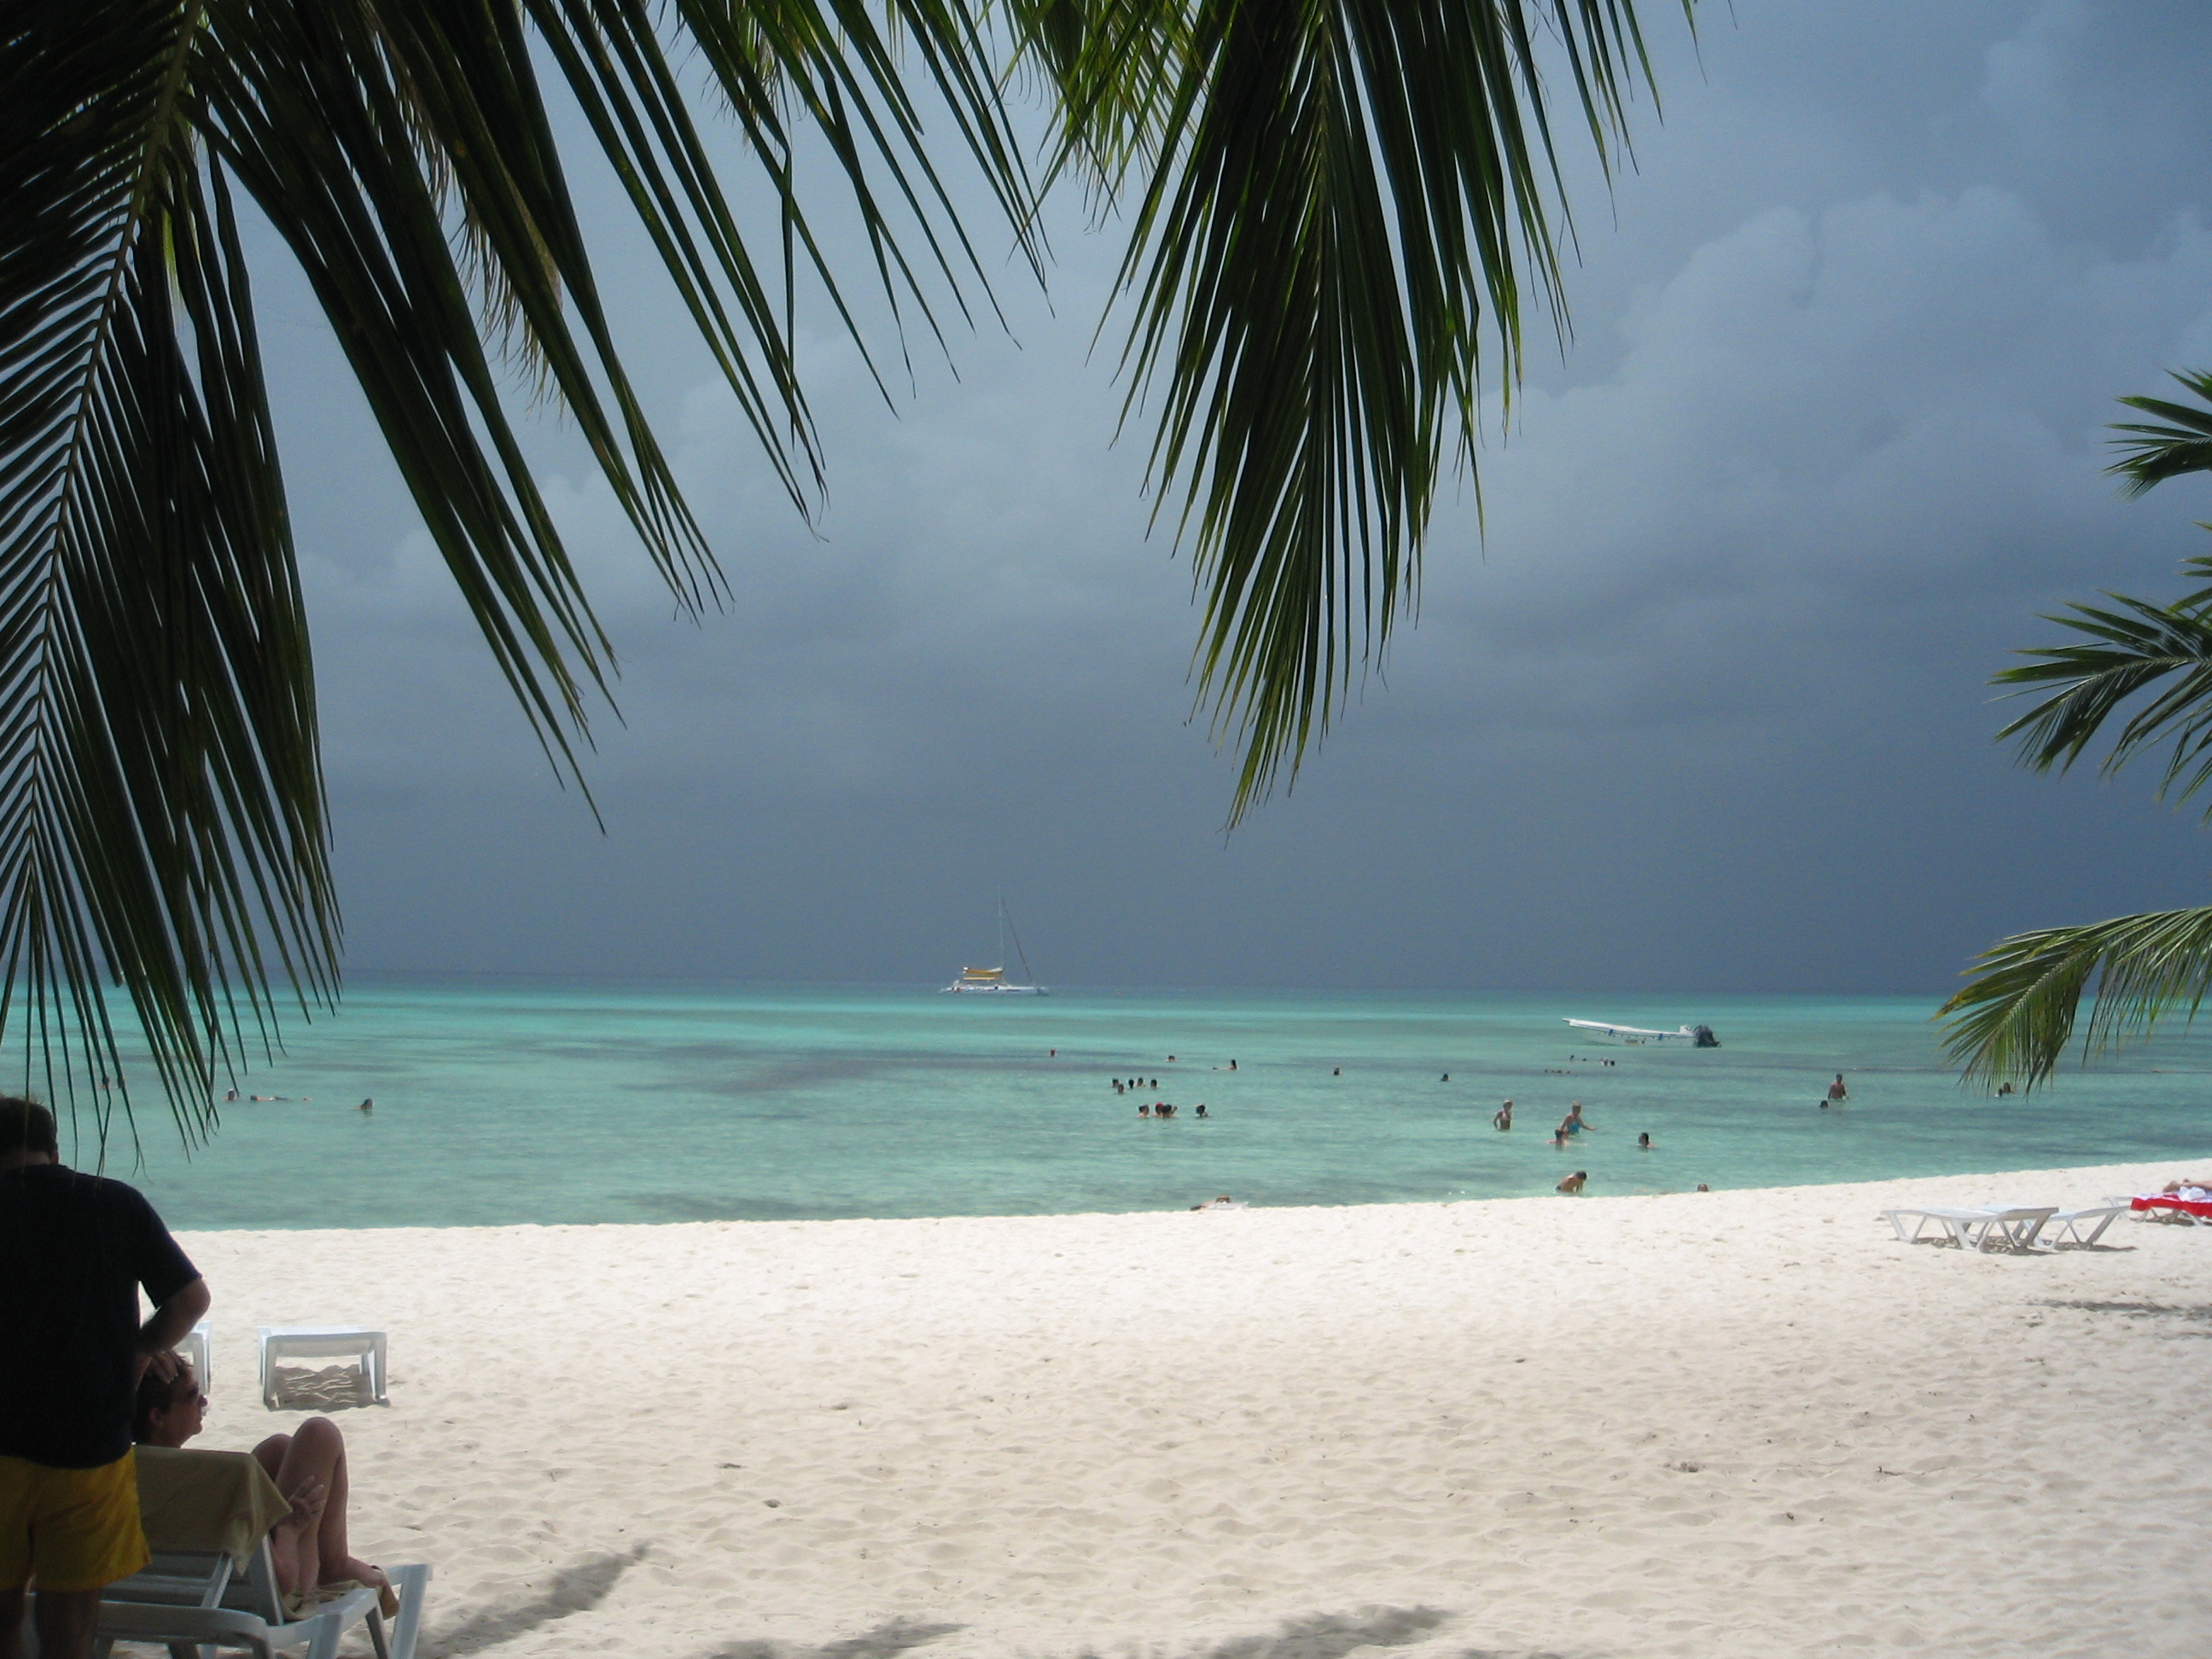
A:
[353,1342]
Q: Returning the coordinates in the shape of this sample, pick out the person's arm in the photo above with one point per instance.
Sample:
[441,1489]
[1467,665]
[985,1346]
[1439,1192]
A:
[168,1326]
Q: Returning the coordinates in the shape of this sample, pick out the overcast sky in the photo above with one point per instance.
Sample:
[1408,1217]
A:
[1707,710]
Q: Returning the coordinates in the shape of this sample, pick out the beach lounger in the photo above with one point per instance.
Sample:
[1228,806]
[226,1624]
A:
[2008,1227]
[212,1584]
[2196,1211]
[354,1342]
[2082,1227]
[196,1350]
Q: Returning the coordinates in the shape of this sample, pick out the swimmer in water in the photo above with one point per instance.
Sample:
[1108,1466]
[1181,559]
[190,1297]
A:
[1572,1123]
[1503,1118]
[1837,1093]
[1644,1140]
[366,1107]
[1573,1183]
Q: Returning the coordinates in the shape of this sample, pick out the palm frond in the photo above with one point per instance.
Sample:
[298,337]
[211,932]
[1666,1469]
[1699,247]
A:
[2133,648]
[2015,1016]
[1331,203]
[161,804]
[161,817]
[2182,444]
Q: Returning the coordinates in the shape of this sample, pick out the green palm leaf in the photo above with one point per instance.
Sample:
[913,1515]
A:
[2134,649]
[161,815]
[2016,1013]
[2015,1018]
[160,806]
[2182,443]
[1331,201]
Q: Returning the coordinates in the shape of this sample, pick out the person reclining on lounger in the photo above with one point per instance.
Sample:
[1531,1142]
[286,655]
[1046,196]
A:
[308,1546]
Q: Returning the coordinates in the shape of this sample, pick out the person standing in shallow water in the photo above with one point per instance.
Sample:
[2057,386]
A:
[1503,1118]
[1837,1093]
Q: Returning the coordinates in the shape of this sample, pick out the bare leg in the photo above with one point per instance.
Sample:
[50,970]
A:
[318,1454]
[290,1540]
[65,1620]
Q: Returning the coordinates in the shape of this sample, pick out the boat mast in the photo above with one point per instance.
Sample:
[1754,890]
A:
[1005,926]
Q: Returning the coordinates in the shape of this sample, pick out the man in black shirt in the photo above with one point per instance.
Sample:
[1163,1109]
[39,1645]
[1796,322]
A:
[74,1251]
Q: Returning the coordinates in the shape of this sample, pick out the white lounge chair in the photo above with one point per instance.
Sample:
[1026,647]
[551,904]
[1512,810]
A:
[2009,1227]
[197,1350]
[2082,1227]
[354,1342]
[212,1584]
[2167,1207]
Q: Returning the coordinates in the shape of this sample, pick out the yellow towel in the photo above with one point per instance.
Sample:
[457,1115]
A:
[206,1500]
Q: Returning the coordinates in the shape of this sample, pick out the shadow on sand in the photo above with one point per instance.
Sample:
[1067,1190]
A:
[577,1588]
[1335,1635]
[884,1642]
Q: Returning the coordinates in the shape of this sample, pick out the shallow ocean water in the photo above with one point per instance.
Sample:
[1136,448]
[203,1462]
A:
[501,1103]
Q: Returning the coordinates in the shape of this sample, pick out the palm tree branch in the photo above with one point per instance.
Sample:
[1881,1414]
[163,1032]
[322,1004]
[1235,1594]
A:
[2136,648]
[2015,1016]
[2183,443]
[159,800]
[1336,199]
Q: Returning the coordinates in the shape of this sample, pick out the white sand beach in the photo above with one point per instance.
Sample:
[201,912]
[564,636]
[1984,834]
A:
[1719,1423]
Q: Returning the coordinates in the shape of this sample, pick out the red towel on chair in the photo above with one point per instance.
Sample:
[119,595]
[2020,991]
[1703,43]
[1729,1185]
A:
[2196,1206]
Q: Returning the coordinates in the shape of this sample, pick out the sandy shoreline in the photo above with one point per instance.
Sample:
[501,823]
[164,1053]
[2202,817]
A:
[1728,1422]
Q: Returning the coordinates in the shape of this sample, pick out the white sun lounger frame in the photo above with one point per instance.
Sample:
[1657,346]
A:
[2006,1227]
[354,1342]
[197,1349]
[191,1601]
[2068,1226]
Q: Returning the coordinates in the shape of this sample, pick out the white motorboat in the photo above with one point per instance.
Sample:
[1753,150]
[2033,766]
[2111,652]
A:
[993,982]
[1698,1037]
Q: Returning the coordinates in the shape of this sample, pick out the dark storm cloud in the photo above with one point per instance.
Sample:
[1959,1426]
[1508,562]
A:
[1708,707]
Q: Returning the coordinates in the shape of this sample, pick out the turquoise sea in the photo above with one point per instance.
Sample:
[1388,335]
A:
[564,1101]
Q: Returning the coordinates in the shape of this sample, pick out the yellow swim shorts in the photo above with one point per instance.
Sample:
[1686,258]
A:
[71,1529]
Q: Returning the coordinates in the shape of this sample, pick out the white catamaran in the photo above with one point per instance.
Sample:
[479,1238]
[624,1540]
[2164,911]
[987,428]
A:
[993,982]
[1699,1036]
